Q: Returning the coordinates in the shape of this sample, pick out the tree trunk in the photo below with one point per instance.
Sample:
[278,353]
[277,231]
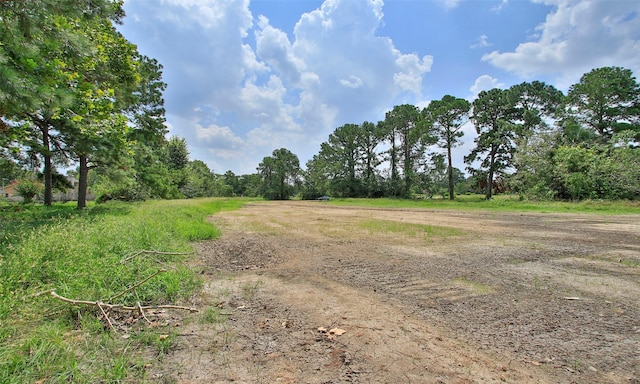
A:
[47,171]
[490,174]
[450,171]
[82,182]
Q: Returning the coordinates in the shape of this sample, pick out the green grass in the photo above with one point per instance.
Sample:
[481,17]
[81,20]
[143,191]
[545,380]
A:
[504,203]
[78,254]
[409,229]
[474,286]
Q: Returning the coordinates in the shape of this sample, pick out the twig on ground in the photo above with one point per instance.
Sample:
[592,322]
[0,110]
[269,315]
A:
[119,307]
[106,317]
[140,308]
[136,285]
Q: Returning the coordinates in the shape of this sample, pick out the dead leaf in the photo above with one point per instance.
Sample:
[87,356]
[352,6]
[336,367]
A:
[337,331]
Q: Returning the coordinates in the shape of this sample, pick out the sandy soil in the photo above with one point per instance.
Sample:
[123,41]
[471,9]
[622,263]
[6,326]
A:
[305,292]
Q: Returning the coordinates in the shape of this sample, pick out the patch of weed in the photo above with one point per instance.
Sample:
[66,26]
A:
[475,286]
[409,229]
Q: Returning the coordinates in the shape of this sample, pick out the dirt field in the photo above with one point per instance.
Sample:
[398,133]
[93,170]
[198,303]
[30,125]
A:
[312,293]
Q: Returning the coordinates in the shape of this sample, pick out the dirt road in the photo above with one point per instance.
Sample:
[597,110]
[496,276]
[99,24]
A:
[306,292]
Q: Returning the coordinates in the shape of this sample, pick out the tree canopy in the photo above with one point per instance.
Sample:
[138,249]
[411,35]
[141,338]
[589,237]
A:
[75,93]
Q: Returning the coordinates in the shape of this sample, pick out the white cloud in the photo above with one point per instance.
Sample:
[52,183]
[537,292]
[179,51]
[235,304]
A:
[357,72]
[484,83]
[483,41]
[576,37]
[412,69]
[235,104]
[352,82]
[500,6]
[450,4]
[221,137]
[273,46]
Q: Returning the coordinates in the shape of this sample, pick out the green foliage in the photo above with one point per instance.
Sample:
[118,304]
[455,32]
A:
[280,174]
[28,189]
[408,135]
[597,173]
[606,101]
[447,116]
[493,116]
[79,253]
[177,153]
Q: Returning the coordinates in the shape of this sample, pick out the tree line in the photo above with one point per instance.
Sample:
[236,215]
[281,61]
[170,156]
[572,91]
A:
[75,92]
[532,139]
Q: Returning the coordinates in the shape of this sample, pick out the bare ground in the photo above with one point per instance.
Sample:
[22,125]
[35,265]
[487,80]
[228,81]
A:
[306,292]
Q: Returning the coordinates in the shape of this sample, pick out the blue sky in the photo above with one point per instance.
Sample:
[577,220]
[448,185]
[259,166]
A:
[247,77]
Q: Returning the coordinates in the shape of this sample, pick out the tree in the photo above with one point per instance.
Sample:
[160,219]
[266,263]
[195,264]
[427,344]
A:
[201,182]
[177,157]
[177,153]
[338,161]
[41,41]
[95,127]
[493,115]
[369,139]
[447,117]
[407,135]
[607,101]
[279,173]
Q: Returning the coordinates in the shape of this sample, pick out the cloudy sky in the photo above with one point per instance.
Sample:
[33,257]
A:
[247,77]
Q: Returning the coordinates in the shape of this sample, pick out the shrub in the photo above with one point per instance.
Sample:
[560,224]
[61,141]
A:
[28,189]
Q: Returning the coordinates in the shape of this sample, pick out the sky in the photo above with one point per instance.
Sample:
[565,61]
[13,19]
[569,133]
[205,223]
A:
[247,77]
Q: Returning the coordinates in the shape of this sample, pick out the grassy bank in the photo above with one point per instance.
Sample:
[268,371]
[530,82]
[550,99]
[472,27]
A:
[501,203]
[92,255]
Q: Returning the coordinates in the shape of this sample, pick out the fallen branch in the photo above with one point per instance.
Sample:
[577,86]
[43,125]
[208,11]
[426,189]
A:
[136,285]
[106,318]
[119,306]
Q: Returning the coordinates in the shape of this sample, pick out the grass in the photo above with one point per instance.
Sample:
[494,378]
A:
[408,229]
[502,203]
[474,286]
[78,254]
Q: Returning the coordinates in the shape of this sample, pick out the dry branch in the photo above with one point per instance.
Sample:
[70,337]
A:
[136,285]
[120,306]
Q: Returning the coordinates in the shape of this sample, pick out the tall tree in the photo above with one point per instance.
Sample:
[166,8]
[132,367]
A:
[607,101]
[40,43]
[369,139]
[447,117]
[408,139]
[95,126]
[279,173]
[177,158]
[536,107]
[493,116]
[340,158]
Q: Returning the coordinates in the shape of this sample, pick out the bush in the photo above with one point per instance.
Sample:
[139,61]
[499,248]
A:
[28,189]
